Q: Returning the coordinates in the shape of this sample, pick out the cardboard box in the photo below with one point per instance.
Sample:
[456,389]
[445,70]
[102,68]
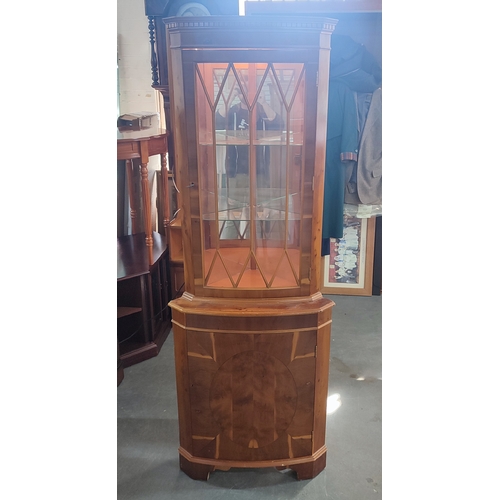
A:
[136,121]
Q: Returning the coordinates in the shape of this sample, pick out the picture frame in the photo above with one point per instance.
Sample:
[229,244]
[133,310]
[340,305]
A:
[348,270]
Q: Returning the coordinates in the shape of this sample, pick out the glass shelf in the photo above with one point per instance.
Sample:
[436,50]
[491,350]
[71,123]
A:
[271,204]
[262,138]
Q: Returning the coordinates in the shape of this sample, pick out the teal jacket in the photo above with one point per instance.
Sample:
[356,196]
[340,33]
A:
[341,149]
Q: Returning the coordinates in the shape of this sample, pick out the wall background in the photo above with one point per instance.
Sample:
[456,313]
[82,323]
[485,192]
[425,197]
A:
[135,94]
[134,56]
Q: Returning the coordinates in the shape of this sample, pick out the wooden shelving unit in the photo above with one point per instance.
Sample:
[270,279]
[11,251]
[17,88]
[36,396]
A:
[142,297]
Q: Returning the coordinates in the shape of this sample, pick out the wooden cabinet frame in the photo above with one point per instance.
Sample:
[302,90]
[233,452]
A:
[251,354]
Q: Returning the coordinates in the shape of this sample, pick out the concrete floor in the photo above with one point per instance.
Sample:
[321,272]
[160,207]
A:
[147,435]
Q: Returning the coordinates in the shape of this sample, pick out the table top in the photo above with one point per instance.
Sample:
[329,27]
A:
[140,135]
[133,255]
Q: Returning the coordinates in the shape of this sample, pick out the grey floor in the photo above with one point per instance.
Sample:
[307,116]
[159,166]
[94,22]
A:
[147,434]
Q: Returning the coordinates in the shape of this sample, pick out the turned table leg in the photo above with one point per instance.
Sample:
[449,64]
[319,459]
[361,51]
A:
[130,185]
[166,199]
[146,199]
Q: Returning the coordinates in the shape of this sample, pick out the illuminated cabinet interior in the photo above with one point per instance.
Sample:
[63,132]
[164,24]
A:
[251,331]
[250,182]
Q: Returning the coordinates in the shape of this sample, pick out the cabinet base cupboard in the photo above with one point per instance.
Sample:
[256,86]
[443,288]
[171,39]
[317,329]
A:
[252,330]
[252,381]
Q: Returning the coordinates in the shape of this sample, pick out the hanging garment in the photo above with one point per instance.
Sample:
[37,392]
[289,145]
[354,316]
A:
[364,180]
[351,63]
[341,150]
[363,100]
[369,169]
[352,70]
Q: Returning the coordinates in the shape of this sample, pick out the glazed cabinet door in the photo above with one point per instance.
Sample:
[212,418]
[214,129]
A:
[250,119]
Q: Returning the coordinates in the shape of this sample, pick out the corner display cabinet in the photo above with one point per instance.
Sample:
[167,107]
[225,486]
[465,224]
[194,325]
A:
[252,330]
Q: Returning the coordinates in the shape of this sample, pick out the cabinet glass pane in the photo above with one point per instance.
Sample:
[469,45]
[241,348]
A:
[249,129]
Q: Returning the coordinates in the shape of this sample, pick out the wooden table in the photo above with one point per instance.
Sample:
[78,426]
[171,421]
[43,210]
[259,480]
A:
[142,144]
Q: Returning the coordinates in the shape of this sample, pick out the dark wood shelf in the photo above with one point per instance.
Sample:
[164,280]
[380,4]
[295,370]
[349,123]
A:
[142,297]
[133,257]
[127,311]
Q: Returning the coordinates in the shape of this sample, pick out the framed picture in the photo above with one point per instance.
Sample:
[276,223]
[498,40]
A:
[348,270]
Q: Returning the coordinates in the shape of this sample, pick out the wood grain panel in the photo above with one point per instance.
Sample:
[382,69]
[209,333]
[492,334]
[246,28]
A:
[304,345]
[303,370]
[182,383]
[228,345]
[128,150]
[321,386]
[274,323]
[157,145]
[201,344]
[278,345]
[255,413]
[201,373]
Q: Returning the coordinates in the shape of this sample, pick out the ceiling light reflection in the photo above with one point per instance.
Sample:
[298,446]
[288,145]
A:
[333,403]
